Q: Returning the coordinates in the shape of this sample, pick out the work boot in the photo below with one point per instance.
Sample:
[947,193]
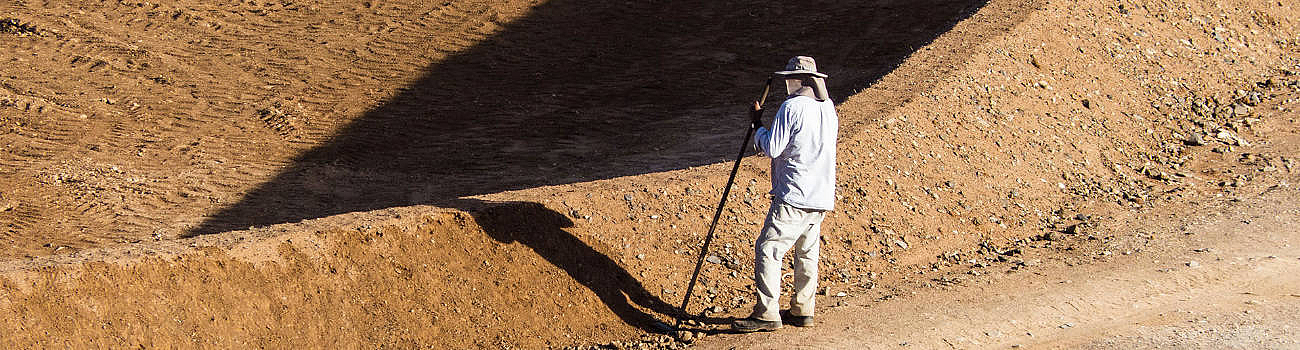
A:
[747,325]
[797,321]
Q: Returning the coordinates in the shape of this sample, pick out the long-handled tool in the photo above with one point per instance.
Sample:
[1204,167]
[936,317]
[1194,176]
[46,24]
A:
[704,251]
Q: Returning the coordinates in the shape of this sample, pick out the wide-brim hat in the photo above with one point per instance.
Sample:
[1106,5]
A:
[800,65]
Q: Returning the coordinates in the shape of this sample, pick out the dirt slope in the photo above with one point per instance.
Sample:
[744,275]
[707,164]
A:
[128,125]
[1230,285]
[128,121]
[1213,273]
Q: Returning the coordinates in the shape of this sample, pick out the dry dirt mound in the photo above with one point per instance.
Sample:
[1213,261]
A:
[128,121]
[141,123]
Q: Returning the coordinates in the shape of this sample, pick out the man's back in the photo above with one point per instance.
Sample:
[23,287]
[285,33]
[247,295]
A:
[801,143]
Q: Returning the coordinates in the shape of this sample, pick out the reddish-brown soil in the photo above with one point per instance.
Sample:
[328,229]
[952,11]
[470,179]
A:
[1217,272]
[130,121]
[531,174]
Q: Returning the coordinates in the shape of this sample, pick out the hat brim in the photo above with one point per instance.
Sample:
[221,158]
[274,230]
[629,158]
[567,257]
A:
[799,72]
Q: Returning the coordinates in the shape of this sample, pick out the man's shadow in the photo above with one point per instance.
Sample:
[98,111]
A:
[543,230]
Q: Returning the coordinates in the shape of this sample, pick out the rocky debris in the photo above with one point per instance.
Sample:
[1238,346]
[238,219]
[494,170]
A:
[14,26]
[649,342]
[1231,138]
[284,117]
[684,336]
[7,204]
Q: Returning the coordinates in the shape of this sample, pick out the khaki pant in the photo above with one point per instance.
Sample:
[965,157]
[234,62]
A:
[787,227]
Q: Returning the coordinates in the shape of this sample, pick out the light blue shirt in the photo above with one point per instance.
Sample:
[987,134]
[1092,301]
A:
[801,143]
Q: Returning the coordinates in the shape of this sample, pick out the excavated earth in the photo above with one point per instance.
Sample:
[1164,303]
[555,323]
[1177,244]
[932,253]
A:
[526,174]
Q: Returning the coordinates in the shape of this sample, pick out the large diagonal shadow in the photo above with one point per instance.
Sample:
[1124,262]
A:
[580,90]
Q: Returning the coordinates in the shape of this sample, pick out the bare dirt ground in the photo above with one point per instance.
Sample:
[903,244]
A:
[1218,272]
[527,174]
[1226,277]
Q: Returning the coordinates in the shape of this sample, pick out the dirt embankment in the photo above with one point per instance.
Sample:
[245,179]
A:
[1024,120]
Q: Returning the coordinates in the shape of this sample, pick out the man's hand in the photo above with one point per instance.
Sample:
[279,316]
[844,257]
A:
[756,116]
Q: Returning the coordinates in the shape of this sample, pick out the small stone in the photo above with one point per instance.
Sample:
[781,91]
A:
[841,294]
[669,291]
[1067,325]
[684,336]
[1193,264]
[640,256]
[900,243]
[713,259]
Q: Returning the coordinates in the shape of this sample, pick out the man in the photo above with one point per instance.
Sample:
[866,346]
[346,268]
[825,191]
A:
[801,143]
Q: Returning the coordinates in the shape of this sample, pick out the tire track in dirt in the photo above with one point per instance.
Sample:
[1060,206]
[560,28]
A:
[99,59]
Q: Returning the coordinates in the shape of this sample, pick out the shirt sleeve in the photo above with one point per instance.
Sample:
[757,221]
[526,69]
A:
[773,141]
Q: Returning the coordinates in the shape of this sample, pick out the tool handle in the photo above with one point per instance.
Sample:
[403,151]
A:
[766,88]
[708,239]
[699,263]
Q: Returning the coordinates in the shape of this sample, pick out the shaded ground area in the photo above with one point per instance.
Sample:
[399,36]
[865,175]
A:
[542,230]
[583,90]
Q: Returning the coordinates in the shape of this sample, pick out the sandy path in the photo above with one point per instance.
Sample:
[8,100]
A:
[1243,292]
